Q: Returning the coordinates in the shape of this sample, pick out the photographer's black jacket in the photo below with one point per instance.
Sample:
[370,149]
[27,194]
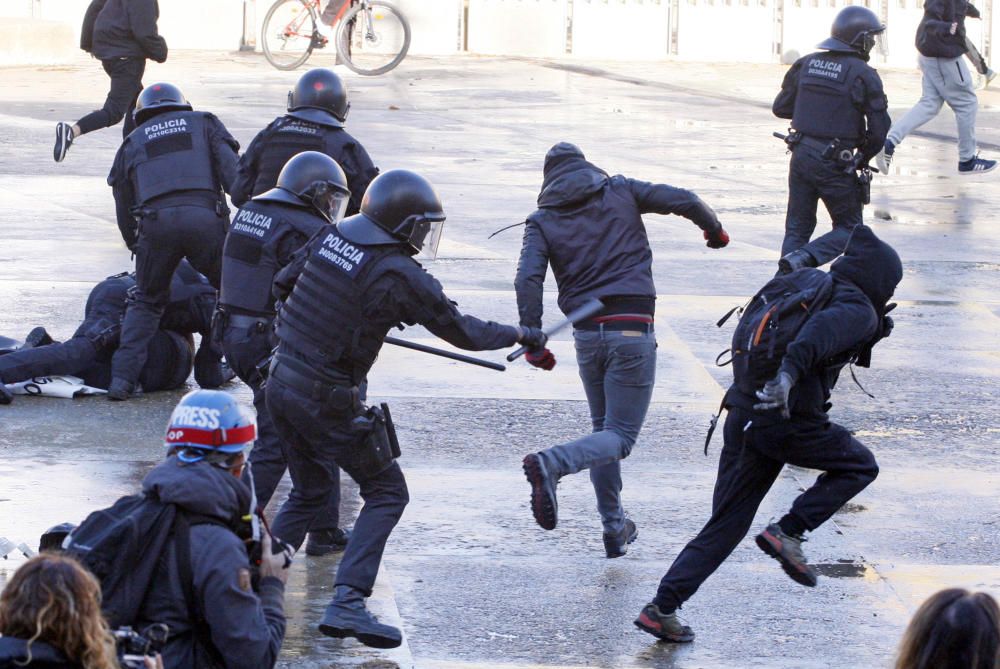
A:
[14,655]
[246,628]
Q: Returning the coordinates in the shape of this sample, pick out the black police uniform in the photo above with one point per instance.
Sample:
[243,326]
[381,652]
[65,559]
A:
[88,352]
[261,240]
[286,136]
[829,95]
[340,300]
[759,443]
[170,173]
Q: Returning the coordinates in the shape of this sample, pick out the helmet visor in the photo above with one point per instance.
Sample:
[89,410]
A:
[432,239]
[332,204]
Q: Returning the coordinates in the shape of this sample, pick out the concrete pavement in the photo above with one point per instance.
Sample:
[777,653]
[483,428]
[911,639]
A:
[472,579]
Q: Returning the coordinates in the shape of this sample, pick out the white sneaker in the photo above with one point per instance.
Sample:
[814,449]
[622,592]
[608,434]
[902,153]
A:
[884,157]
[989,76]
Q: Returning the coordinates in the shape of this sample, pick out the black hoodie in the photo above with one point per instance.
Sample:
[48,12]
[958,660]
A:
[247,629]
[864,279]
[589,227]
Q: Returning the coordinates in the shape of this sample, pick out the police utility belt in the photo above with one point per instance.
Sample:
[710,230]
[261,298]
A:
[829,149]
[339,395]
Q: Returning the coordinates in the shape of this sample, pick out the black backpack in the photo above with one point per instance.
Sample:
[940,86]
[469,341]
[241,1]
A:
[122,546]
[770,321]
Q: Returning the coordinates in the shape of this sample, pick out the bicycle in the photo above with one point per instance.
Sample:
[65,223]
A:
[371,38]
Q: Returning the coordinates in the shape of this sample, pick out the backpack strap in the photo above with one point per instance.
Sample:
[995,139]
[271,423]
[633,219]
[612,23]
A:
[182,537]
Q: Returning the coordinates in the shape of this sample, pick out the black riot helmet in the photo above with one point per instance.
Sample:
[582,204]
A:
[320,97]
[312,179]
[158,98]
[399,207]
[854,30]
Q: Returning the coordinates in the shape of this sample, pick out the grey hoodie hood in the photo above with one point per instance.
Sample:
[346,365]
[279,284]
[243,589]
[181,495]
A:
[567,177]
[199,488]
[871,265]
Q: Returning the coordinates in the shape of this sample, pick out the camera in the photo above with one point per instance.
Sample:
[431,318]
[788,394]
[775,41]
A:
[133,647]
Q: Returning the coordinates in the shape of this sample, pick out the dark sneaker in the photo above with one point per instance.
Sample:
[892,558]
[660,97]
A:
[796,260]
[346,616]
[976,165]
[64,140]
[616,545]
[6,397]
[664,626]
[787,550]
[884,158]
[544,506]
[319,40]
[37,337]
[325,542]
[119,390]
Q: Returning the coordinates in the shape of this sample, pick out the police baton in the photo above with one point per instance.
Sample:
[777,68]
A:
[445,354]
[579,314]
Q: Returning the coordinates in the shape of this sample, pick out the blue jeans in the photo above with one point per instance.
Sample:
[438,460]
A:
[618,369]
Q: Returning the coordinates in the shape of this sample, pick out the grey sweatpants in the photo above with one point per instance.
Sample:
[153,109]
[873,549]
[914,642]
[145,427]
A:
[945,80]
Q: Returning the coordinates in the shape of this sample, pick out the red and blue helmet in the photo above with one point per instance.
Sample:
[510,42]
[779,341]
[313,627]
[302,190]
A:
[207,422]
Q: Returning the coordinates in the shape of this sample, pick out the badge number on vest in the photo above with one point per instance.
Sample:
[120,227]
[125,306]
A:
[830,70]
[251,223]
[342,254]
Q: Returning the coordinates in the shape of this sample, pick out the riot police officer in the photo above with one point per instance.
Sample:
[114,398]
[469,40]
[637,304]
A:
[311,192]
[168,180]
[342,293]
[317,111]
[839,122]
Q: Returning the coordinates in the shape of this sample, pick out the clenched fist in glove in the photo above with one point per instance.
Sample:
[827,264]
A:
[537,355]
[716,239]
[775,394]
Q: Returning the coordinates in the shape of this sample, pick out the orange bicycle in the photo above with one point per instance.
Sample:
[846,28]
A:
[371,36]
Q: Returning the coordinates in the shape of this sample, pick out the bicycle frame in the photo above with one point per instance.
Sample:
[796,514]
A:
[294,26]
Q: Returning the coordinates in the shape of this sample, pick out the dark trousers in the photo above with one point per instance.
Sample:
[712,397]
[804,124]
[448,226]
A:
[751,460]
[811,179]
[166,235]
[68,357]
[245,349]
[126,84]
[318,438]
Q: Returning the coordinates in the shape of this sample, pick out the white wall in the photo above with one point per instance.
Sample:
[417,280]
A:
[518,27]
[600,27]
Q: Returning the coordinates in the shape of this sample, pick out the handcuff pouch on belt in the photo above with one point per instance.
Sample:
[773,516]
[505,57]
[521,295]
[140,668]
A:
[378,446]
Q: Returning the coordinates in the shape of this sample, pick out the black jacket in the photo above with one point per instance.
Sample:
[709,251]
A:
[865,278]
[14,655]
[246,629]
[934,38]
[123,28]
[589,227]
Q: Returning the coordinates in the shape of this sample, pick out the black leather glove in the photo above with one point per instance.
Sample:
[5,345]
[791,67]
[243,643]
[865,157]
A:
[532,338]
[775,394]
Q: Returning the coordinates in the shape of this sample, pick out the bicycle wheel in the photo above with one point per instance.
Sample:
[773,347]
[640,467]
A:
[287,37]
[373,37]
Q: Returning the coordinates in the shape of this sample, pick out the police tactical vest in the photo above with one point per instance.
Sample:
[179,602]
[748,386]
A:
[250,254]
[287,137]
[598,249]
[823,104]
[323,317]
[171,153]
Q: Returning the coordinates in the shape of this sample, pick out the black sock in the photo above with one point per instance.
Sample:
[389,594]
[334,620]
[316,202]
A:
[792,526]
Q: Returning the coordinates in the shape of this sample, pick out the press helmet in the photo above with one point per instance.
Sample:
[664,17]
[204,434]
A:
[854,30]
[312,179]
[320,97]
[209,425]
[399,206]
[157,98]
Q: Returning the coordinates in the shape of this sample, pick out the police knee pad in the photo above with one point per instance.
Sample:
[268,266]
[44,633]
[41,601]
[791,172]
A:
[377,447]
[103,333]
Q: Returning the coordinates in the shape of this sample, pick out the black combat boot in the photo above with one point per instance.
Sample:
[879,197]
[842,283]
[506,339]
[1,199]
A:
[6,397]
[616,545]
[37,337]
[544,505]
[120,390]
[346,616]
[209,370]
[324,542]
